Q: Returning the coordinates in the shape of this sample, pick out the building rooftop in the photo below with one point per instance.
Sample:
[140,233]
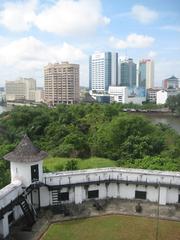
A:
[172,78]
[113,169]
[25,152]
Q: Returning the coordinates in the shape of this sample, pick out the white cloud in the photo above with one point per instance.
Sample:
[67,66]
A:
[71,17]
[18,16]
[63,17]
[27,56]
[172,28]
[143,14]
[132,41]
[152,54]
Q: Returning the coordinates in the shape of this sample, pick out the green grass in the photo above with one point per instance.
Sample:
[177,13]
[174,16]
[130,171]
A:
[57,164]
[114,227]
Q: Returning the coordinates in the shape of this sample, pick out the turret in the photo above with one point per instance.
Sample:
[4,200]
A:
[26,162]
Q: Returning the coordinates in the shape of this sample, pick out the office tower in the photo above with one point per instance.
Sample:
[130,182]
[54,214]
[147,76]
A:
[171,83]
[128,73]
[146,74]
[61,83]
[21,89]
[103,71]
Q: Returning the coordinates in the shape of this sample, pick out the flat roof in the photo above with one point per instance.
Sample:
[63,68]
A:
[113,169]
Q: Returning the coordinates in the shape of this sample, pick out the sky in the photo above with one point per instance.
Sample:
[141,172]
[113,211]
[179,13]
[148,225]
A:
[36,32]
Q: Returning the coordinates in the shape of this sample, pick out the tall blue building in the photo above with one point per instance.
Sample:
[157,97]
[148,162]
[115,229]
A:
[128,73]
[103,71]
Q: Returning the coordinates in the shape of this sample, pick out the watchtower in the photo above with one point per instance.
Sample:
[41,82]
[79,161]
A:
[26,162]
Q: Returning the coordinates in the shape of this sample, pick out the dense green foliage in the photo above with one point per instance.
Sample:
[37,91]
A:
[173,102]
[86,130]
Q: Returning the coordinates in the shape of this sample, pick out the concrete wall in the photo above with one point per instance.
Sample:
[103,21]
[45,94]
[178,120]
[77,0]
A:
[144,180]
[22,172]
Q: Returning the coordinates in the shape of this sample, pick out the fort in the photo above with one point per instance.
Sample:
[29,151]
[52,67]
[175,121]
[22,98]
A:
[31,189]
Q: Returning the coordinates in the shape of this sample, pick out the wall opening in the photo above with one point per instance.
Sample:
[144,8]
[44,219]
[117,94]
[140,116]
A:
[93,194]
[34,173]
[10,218]
[63,196]
[140,194]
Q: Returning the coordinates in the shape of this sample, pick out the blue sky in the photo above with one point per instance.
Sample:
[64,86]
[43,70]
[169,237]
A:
[35,32]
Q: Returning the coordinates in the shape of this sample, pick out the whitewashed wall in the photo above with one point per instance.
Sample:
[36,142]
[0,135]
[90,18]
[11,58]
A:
[142,182]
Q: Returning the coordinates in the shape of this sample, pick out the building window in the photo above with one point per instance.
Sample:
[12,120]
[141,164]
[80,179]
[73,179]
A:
[179,199]
[93,194]
[63,196]
[140,195]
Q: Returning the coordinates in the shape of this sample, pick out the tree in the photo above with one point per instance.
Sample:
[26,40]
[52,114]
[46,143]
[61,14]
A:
[173,102]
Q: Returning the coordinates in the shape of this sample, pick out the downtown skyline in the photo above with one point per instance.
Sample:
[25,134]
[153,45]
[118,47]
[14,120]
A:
[35,32]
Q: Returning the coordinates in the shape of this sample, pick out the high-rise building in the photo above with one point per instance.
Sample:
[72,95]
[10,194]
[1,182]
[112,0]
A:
[21,89]
[103,71]
[61,83]
[128,73]
[146,74]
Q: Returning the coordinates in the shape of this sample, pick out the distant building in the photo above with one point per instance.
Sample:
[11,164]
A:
[171,83]
[21,89]
[146,74]
[2,96]
[61,83]
[118,94]
[103,71]
[152,93]
[103,99]
[39,95]
[128,73]
[161,97]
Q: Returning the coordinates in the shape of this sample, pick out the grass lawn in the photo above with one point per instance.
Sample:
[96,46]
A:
[58,164]
[114,227]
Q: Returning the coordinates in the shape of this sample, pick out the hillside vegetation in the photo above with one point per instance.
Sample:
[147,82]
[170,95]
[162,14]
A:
[91,130]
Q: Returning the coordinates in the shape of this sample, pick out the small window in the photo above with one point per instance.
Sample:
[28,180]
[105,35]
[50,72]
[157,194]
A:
[63,196]
[93,194]
[140,195]
[179,199]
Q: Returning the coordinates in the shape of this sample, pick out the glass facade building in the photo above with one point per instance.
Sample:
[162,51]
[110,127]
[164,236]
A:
[128,73]
[103,71]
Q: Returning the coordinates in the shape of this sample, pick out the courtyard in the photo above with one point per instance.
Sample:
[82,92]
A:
[114,227]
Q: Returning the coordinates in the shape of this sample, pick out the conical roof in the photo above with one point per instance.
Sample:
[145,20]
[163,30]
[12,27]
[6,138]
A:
[25,152]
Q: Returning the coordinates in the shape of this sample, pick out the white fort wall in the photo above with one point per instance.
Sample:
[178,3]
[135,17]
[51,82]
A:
[113,183]
[81,185]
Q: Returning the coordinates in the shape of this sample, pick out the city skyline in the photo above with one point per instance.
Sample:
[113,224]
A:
[35,32]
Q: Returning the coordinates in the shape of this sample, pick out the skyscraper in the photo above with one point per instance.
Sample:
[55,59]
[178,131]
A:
[128,73]
[61,83]
[146,74]
[103,71]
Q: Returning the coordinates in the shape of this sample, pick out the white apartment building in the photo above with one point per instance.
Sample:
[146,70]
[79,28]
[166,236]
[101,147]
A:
[103,71]
[21,89]
[118,94]
[61,83]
